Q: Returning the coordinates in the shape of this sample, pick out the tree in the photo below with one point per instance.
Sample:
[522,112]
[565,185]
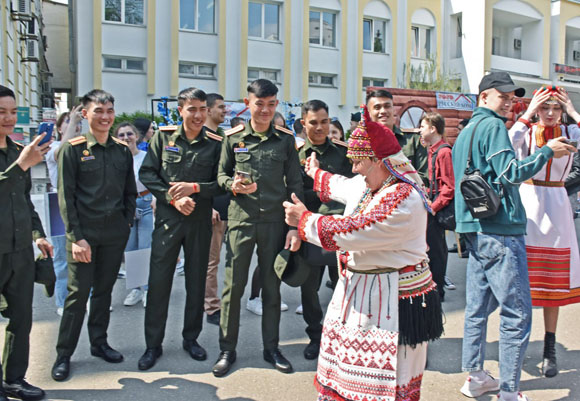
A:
[428,77]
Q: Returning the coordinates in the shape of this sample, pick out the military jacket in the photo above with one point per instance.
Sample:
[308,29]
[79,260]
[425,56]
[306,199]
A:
[415,152]
[19,222]
[96,184]
[332,158]
[174,158]
[272,161]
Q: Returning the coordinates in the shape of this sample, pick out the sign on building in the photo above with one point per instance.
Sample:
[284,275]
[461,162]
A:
[455,101]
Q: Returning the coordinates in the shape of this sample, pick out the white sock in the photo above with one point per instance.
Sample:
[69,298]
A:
[508,396]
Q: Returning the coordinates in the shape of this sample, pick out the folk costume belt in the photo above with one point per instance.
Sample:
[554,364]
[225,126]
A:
[406,269]
[544,183]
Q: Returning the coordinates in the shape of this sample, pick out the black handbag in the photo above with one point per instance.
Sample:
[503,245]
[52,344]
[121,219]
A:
[480,198]
[446,216]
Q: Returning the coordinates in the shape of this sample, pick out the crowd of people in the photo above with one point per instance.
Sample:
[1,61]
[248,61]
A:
[370,209]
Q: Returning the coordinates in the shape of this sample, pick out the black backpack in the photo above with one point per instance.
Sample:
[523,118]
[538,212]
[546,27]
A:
[480,198]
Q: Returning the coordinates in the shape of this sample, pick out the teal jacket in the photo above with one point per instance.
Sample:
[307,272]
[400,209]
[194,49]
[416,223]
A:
[494,156]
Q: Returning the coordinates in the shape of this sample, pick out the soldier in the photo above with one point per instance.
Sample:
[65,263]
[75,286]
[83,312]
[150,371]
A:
[381,108]
[259,166]
[19,226]
[180,170]
[97,197]
[332,158]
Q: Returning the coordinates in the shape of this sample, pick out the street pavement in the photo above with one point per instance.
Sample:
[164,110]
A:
[178,377]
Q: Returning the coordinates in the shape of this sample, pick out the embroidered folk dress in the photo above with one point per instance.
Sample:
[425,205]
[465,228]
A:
[551,245]
[382,250]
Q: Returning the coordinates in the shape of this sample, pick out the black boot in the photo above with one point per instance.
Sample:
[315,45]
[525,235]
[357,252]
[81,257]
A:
[549,365]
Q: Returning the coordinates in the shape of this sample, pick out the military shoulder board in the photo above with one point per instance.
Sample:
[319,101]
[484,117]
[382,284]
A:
[284,130]
[235,130]
[77,140]
[340,143]
[213,136]
[299,145]
[120,142]
[168,128]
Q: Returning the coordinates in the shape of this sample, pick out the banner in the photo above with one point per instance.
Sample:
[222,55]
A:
[455,101]
[235,109]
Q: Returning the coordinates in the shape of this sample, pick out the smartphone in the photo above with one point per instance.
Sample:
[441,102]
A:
[246,177]
[48,128]
[573,143]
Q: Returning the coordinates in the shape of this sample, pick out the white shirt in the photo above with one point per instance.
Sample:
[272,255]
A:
[137,162]
[52,165]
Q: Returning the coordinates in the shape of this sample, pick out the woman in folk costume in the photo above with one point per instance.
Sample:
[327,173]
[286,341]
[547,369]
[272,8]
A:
[385,307]
[551,245]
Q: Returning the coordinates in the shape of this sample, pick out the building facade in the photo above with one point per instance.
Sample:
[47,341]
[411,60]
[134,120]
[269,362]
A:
[327,49]
[23,65]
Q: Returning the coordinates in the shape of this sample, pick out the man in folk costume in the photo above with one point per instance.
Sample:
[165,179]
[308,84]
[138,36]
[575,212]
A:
[551,245]
[385,307]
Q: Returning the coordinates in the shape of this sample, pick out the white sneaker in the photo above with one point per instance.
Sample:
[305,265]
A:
[122,273]
[521,397]
[134,297]
[59,311]
[255,306]
[145,298]
[283,306]
[474,388]
[299,310]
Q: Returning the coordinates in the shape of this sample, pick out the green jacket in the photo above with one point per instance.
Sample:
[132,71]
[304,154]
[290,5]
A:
[19,222]
[495,157]
[173,158]
[332,158]
[415,152]
[95,182]
[272,161]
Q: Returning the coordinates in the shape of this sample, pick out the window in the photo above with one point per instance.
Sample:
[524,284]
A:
[197,15]
[196,70]
[124,11]
[421,42]
[257,73]
[264,21]
[374,38]
[323,28]
[459,37]
[124,64]
[374,82]
[317,79]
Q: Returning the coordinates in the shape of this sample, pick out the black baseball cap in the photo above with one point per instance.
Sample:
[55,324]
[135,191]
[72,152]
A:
[501,81]
[355,116]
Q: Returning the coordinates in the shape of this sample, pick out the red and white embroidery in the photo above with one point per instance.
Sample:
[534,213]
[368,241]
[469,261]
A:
[322,185]
[329,226]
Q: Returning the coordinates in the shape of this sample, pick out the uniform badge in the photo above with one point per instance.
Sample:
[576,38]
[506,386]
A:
[86,152]
[241,145]
[240,150]
[84,159]
[172,148]
[171,143]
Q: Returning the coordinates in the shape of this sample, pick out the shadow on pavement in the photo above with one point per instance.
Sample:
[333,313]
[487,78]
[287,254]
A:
[137,389]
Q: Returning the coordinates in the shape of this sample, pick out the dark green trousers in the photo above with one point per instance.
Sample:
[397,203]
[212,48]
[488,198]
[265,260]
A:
[17,288]
[311,309]
[169,236]
[242,238]
[107,247]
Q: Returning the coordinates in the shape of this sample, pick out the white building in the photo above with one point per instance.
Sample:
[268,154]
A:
[326,49]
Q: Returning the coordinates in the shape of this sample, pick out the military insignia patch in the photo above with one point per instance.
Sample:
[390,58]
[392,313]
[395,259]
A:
[86,152]
[241,145]
[84,159]
[171,143]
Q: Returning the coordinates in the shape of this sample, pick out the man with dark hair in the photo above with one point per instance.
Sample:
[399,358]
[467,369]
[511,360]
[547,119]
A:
[332,158]
[216,115]
[97,199]
[259,166]
[237,121]
[19,227]
[180,170]
[382,110]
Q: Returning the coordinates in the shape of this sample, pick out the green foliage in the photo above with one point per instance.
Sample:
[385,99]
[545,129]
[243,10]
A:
[428,77]
[131,117]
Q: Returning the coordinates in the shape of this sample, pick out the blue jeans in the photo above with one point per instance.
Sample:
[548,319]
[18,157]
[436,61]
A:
[140,236]
[497,275]
[142,229]
[60,270]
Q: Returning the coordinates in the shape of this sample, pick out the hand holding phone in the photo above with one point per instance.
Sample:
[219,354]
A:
[245,177]
[45,128]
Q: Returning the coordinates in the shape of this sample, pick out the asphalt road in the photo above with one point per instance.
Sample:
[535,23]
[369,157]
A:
[178,377]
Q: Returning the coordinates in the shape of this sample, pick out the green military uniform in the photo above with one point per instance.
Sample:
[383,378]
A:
[332,158]
[256,219]
[174,158]
[19,226]
[96,196]
[415,152]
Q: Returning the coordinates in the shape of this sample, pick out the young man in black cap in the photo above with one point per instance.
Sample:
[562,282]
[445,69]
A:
[497,272]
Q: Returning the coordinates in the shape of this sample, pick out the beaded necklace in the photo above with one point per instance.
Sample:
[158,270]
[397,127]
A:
[368,195]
